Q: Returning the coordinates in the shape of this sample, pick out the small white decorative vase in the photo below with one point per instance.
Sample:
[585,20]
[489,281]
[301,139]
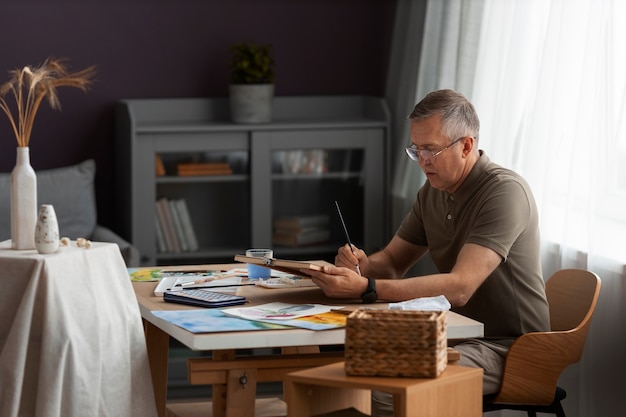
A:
[23,202]
[47,230]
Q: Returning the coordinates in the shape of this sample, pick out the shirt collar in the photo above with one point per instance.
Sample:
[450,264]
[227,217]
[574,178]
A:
[468,186]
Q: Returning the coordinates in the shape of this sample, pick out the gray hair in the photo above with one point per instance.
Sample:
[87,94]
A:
[458,115]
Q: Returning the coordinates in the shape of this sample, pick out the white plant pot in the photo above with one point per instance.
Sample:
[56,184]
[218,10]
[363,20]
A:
[251,103]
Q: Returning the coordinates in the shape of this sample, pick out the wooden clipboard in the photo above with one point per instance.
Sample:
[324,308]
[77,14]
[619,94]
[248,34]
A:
[299,268]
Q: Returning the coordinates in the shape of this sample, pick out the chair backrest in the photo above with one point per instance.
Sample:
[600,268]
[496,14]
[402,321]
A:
[536,359]
[572,296]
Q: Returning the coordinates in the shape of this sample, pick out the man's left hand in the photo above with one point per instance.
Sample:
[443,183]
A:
[339,282]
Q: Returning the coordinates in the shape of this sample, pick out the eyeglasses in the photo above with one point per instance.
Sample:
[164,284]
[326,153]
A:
[426,154]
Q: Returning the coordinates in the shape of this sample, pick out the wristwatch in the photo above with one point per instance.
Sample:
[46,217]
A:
[369,296]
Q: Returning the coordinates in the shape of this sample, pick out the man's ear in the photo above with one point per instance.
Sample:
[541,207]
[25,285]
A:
[468,145]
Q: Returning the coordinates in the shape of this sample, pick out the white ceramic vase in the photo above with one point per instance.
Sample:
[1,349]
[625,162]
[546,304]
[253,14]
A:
[23,202]
[47,230]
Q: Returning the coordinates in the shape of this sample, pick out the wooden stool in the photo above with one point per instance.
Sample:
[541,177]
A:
[457,392]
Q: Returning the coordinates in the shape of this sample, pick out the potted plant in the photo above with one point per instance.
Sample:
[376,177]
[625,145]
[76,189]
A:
[251,87]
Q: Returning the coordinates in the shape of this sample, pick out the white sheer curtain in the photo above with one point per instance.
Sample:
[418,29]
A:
[548,78]
[550,89]
[437,41]
[400,96]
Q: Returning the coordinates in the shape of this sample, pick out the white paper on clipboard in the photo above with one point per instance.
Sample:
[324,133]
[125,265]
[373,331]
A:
[175,281]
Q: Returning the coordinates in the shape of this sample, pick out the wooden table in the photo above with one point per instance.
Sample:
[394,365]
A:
[225,371]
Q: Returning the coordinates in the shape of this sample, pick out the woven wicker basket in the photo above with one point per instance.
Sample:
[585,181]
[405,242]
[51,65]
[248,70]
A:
[396,343]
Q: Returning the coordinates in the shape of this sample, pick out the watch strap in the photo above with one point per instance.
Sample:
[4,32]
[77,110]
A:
[370,296]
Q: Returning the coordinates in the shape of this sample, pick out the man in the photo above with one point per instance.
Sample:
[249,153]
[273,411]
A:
[479,223]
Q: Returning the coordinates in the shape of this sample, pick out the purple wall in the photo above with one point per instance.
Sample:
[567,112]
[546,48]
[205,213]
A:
[178,48]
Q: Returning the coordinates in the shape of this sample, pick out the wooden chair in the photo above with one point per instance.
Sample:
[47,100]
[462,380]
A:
[536,360]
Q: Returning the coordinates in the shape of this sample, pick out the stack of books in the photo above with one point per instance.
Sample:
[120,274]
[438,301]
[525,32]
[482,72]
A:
[301,230]
[204,168]
[174,230]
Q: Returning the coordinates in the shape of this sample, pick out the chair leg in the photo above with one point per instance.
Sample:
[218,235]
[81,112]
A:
[559,410]
[531,413]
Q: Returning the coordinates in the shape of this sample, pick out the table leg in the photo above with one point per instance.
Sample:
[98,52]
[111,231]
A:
[241,396]
[236,398]
[157,342]
[220,392]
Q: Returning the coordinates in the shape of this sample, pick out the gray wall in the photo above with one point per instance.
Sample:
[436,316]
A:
[178,48]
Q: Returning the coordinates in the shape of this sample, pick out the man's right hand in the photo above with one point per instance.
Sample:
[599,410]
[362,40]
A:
[351,257]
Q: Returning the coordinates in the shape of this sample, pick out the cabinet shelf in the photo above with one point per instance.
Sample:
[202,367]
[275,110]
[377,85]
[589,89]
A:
[238,178]
[231,213]
[225,253]
[324,176]
[171,179]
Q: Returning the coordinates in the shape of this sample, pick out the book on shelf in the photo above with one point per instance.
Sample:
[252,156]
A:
[178,227]
[160,236]
[162,209]
[174,227]
[319,221]
[309,236]
[159,167]
[169,217]
[187,226]
[299,268]
[204,168]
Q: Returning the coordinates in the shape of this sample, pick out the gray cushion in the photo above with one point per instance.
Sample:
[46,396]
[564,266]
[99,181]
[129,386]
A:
[70,190]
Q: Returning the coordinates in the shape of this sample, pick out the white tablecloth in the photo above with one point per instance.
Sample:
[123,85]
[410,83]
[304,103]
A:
[71,336]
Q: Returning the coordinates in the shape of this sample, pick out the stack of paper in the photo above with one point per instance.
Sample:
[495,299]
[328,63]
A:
[218,281]
[269,316]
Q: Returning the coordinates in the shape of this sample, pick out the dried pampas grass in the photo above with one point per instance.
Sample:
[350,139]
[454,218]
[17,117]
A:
[29,86]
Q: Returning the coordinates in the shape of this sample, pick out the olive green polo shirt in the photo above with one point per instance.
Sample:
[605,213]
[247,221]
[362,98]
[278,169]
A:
[494,207]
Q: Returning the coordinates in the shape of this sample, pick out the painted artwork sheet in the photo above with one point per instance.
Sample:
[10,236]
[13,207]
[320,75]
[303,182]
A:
[214,320]
[306,316]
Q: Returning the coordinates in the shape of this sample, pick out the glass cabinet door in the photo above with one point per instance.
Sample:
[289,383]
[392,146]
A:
[202,205]
[305,186]
[310,171]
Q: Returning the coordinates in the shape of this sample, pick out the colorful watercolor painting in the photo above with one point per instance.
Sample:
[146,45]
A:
[212,320]
[144,274]
[306,316]
[323,321]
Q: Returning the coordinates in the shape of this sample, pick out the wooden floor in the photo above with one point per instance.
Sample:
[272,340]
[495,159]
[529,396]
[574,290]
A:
[265,407]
